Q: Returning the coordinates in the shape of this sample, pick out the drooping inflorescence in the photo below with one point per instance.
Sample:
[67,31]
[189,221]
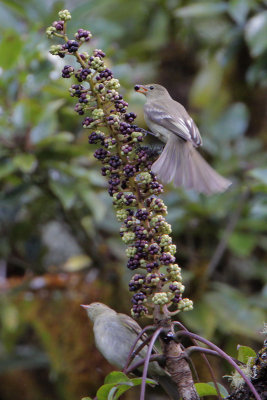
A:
[127,166]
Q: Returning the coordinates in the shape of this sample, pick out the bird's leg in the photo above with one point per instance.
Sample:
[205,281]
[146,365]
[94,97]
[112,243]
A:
[147,132]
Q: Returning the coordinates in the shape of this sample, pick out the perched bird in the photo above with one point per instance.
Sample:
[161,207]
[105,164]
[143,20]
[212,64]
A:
[179,162]
[114,336]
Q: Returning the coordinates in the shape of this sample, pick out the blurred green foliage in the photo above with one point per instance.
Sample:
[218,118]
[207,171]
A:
[56,216]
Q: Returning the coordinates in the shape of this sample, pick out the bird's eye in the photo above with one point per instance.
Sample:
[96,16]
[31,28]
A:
[151,87]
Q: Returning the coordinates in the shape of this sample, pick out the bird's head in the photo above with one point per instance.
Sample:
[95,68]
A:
[95,309]
[151,90]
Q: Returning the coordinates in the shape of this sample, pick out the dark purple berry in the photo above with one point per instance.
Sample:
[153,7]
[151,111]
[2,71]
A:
[72,46]
[83,35]
[101,154]
[59,25]
[67,71]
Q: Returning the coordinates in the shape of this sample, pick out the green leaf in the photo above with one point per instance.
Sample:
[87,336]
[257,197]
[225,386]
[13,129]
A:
[208,389]
[224,393]
[7,168]
[204,389]
[135,382]
[7,18]
[256,33]
[104,390]
[26,112]
[10,48]
[205,9]
[64,137]
[115,377]
[244,353]
[25,162]
[239,10]
[202,319]
[112,393]
[138,381]
[47,123]
[117,383]
[87,398]
[233,122]
[122,388]
[259,174]
[93,202]
[206,84]
[242,244]
[227,302]
[64,192]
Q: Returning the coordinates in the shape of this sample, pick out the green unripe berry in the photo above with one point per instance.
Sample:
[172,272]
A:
[130,251]
[98,113]
[165,240]
[160,298]
[113,84]
[50,32]
[121,215]
[144,178]
[64,15]
[128,237]
[185,305]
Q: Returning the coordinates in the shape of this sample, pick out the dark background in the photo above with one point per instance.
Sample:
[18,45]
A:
[59,240]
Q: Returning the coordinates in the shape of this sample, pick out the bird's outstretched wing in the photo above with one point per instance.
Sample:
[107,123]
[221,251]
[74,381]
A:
[185,128]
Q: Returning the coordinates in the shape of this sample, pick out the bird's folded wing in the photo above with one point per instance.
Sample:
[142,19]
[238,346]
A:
[130,323]
[183,127]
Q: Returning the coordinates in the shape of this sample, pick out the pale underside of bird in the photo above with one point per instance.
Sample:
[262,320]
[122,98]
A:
[179,162]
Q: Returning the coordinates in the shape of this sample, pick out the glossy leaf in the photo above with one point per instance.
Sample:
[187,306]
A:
[204,389]
[104,391]
[260,174]
[224,393]
[116,377]
[245,353]
[10,48]
[256,33]
[25,162]
[202,9]
[242,243]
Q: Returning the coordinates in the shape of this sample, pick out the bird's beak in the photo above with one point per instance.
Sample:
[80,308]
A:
[84,305]
[141,89]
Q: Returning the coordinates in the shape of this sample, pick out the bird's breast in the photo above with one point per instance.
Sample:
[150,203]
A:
[160,132]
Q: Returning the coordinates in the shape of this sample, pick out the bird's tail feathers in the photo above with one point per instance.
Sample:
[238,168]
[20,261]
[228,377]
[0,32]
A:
[181,164]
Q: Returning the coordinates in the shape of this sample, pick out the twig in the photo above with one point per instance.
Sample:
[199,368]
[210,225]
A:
[155,357]
[131,352]
[148,355]
[224,355]
[205,360]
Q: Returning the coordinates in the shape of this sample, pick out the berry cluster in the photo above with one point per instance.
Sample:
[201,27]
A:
[132,185]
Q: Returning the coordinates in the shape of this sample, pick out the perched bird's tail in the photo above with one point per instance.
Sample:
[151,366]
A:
[181,164]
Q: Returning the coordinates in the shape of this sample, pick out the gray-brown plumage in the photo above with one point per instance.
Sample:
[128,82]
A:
[179,162]
[115,334]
